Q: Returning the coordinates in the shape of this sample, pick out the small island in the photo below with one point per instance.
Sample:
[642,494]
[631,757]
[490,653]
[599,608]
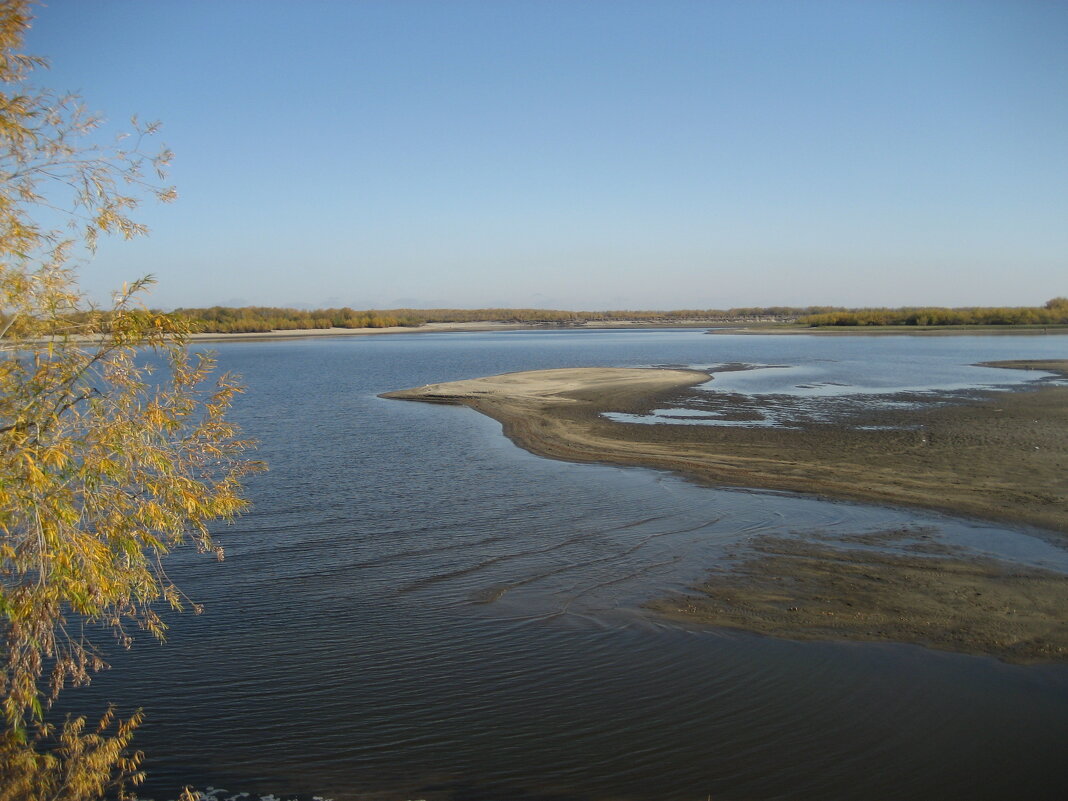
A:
[999,456]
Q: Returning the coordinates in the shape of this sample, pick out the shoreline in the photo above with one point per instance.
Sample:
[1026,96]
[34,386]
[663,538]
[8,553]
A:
[895,330]
[975,458]
[302,333]
[711,327]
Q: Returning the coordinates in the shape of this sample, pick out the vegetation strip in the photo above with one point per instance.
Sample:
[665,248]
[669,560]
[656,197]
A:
[267,319]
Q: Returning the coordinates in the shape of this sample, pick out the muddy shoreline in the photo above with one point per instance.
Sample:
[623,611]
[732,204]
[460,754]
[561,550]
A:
[924,593]
[1000,456]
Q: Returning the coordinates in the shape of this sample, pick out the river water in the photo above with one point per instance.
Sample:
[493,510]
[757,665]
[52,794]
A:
[416,608]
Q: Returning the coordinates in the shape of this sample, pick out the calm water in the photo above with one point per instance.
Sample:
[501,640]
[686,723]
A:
[418,609]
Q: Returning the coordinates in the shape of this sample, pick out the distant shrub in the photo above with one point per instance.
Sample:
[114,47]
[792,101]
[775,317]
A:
[1055,312]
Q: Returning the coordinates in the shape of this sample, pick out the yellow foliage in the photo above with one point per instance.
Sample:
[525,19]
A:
[75,765]
[1050,314]
[103,467]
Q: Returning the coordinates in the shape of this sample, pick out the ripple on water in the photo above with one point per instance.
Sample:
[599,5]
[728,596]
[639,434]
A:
[414,604]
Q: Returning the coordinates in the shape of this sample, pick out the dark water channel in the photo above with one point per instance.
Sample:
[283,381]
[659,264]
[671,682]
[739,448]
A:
[418,609]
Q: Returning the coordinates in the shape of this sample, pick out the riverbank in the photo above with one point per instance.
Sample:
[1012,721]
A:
[473,327]
[714,327]
[998,456]
[301,333]
[893,330]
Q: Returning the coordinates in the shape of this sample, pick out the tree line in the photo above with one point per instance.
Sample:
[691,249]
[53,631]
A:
[264,319]
[252,319]
[1054,312]
[750,314]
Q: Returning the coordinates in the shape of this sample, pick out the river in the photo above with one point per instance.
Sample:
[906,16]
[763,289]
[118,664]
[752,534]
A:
[416,608]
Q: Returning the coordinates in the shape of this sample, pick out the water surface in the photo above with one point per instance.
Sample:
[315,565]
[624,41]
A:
[415,608]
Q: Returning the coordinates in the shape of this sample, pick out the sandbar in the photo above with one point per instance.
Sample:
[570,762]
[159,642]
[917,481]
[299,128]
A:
[937,597]
[1000,456]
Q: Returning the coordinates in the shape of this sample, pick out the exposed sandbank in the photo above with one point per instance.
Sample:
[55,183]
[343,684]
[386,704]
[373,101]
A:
[542,390]
[808,591]
[999,456]
[1002,456]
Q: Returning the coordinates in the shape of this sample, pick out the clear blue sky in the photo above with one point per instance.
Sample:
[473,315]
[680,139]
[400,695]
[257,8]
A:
[587,154]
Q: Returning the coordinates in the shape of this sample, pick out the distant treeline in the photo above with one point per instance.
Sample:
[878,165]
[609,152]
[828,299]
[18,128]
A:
[262,319]
[251,319]
[1055,312]
[771,313]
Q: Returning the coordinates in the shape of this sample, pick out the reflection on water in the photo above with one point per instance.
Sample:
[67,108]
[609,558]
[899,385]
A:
[415,608]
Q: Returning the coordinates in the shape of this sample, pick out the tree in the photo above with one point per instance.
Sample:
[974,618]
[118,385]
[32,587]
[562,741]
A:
[114,448]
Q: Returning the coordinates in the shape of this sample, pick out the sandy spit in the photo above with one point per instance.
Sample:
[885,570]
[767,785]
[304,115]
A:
[1003,456]
[545,389]
[1000,456]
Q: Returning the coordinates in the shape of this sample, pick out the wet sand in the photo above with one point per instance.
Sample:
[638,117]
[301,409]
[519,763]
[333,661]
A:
[801,590]
[1001,456]
[997,455]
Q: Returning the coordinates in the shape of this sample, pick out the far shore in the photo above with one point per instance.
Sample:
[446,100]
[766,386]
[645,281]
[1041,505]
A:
[300,333]
[999,457]
[712,327]
[432,328]
[894,330]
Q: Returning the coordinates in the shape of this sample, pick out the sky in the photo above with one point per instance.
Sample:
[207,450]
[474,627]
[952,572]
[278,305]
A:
[585,154]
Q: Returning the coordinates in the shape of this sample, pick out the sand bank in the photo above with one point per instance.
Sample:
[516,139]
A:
[1003,456]
[999,456]
[921,593]
[543,390]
